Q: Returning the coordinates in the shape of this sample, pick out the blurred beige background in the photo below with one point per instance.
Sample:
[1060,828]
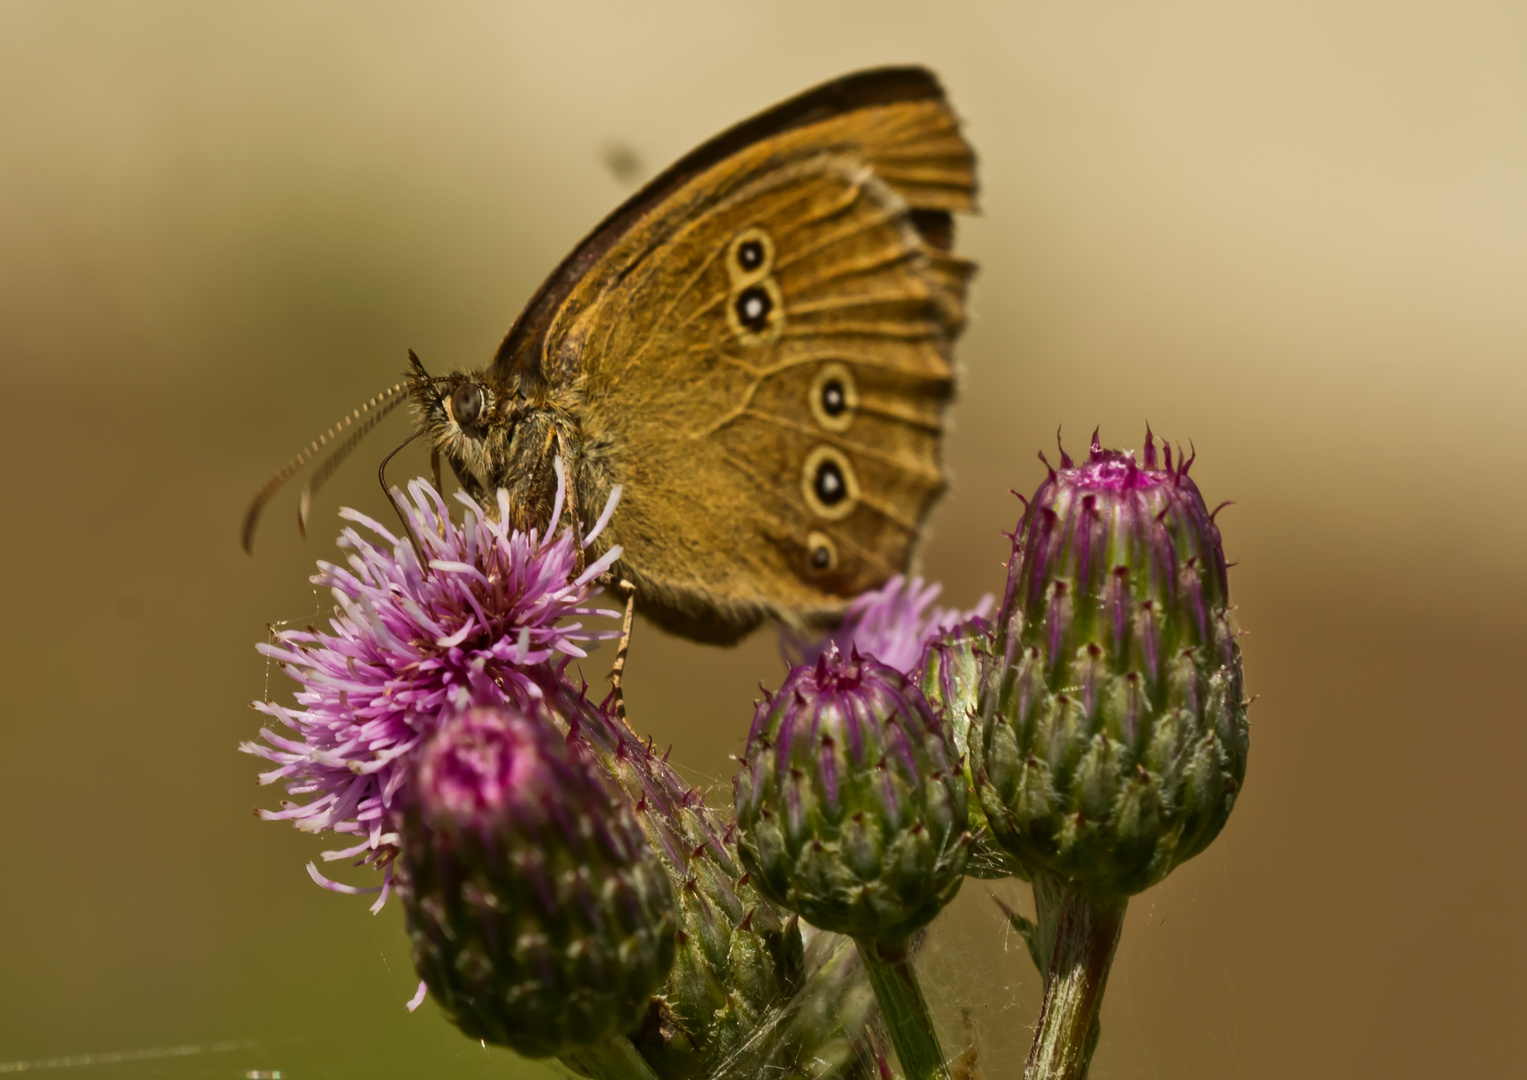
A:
[1292,232]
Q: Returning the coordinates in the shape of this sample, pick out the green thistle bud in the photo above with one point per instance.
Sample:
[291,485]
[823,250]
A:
[541,918]
[851,808]
[1114,732]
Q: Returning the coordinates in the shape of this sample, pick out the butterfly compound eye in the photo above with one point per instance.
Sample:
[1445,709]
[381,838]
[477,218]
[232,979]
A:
[466,404]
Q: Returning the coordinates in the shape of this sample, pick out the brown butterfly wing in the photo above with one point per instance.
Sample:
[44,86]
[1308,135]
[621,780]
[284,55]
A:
[763,360]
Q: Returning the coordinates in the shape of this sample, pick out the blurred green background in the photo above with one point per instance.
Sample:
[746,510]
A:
[1292,232]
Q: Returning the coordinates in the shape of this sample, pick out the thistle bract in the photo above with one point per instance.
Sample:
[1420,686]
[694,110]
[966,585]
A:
[541,918]
[851,808]
[1114,732]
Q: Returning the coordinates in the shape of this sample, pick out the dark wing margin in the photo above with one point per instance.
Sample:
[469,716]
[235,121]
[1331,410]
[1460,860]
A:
[862,89]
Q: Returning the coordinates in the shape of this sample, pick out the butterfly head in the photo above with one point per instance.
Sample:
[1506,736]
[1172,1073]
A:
[495,433]
[469,420]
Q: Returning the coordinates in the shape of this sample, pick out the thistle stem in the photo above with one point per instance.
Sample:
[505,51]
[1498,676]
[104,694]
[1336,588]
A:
[904,1008]
[1086,933]
[615,1059]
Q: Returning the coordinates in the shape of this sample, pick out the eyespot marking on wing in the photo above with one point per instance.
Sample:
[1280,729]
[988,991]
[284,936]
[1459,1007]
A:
[834,397]
[821,554]
[756,312]
[753,307]
[749,257]
[829,484]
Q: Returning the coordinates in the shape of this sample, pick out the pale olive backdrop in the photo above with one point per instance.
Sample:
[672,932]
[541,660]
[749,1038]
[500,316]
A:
[1292,232]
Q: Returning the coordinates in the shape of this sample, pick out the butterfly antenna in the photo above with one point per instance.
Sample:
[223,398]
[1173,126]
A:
[386,401]
[374,412]
[381,475]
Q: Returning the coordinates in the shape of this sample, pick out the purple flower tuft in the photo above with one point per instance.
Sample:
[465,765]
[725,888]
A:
[487,765]
[893,623]
[495,619]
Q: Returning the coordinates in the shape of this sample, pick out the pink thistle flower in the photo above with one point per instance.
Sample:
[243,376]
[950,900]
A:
[496,619]
[893,623]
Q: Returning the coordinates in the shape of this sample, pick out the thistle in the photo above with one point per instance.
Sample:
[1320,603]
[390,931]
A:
[494,618]
[1114,734]
[541,919]
[851,811]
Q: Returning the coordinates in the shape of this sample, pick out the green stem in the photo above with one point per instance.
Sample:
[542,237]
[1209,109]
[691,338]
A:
[615,1059]
[1086,927]
[905,1010]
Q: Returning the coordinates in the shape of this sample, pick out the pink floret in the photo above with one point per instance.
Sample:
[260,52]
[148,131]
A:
[892,623]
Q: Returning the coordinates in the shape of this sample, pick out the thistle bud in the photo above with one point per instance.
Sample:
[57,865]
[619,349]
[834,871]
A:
[541,918]
[851,807]
[1114,732]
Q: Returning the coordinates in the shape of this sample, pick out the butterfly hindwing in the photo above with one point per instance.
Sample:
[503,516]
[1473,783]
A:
[763,360]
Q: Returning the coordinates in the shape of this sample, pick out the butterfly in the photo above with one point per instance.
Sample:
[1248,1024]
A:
[756,346]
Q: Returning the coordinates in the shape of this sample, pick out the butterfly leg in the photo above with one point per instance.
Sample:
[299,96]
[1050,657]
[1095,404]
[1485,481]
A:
[573,508]
[618,669]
